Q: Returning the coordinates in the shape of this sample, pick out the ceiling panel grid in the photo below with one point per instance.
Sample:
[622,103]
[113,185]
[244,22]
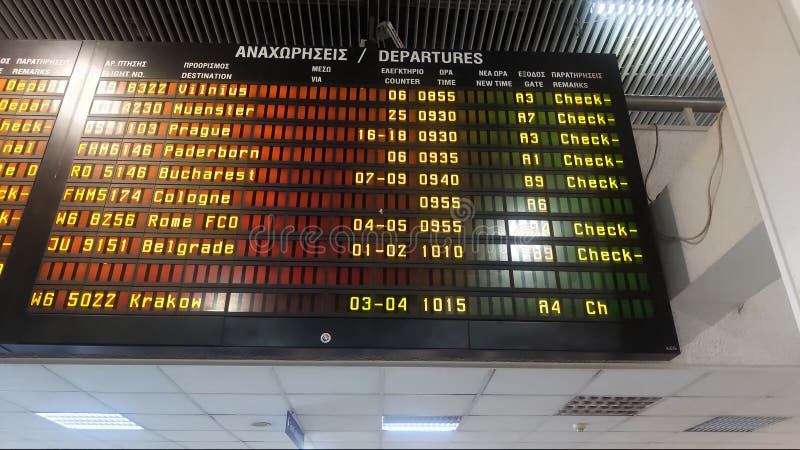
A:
[191,406]
[659,43]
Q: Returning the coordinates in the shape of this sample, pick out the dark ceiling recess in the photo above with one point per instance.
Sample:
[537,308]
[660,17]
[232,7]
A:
[659,43]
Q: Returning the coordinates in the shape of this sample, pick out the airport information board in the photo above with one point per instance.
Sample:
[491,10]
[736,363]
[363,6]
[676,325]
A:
[429,203]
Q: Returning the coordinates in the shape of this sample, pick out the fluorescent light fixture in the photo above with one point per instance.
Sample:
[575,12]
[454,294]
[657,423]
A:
[651,8]
[91,421]
[420,423]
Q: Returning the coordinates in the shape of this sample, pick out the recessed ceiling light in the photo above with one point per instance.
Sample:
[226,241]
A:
[91,421]
[261,424]
[420,423]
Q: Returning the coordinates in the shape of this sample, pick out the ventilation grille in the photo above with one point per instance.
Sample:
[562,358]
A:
[659,43]
[735,424]
[606,406]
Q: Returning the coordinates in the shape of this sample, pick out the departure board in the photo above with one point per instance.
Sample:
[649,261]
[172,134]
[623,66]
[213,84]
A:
[332,200]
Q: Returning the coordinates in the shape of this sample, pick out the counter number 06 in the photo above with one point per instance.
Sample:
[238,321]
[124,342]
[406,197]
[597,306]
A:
[398,95]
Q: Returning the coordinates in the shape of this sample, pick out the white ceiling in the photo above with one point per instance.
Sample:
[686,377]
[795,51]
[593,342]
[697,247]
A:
[193,406]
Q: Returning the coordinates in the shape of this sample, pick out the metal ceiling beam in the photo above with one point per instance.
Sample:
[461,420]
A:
[674,104]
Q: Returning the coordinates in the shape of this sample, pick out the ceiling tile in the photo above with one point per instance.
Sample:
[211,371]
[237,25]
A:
[787,407]
[488,436]
[709,437]
[411,437]
[427,405]
[270,445]
[142,403]
[434,380]
[244,422]
[261,436]
[792,390]
[26,421]
[676,445]
[694,406]
[14,444]
[501,423]
[8,435]
[520,405]
[784,438]
[548,445]
[478,445]
[9,407]
[213,445]
[175,422]
[329,380]
[145,445]
[746,445]
[28,377]
[633,436]
[61,434]
[663,423]
[414,445]
[786,426]
[641,382]
[614,445]
[113,378]
[765,438]
[740,383]
[123,435]
[241,404]
[538,381]
[337,445]
[56,401]
[223,379]
[558,436]
[340,423]
[593,423]
[82,445]
[323,405]
[411,445]
[343,436]
[198,436]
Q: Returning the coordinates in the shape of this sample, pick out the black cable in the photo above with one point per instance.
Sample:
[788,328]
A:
[711,194]
[650,169]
